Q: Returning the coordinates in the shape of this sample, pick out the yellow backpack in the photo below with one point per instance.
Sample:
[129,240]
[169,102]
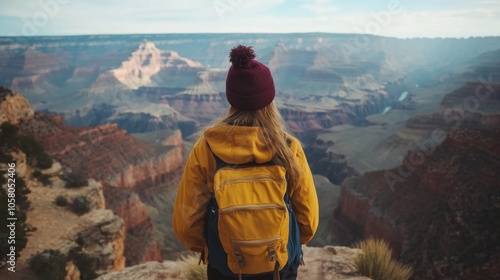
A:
[248,219]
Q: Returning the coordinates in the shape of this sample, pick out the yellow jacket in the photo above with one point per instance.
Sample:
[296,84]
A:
[234,145]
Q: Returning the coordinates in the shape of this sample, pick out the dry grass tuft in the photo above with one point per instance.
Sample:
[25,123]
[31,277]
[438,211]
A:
[191,269]
[376,262]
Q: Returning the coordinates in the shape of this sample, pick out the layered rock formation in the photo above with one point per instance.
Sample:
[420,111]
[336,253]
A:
[321,128]
[308,116]
[202,101]
[109,153]
[148,61]
[422,203]
[141,245]
[79,73]
[439,211]
[420,118]
[122,163]
[200,107]
[305,116]
[148,66]
[103,235]
[327,163]
[40,66]
[116,159]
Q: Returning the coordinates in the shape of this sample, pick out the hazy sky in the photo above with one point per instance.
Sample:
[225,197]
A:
[398,18]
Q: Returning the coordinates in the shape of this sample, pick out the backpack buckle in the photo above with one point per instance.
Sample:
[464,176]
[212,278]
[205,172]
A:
[272,253]
[239,257]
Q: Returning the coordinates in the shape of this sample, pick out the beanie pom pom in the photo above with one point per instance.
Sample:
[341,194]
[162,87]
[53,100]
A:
[242,56]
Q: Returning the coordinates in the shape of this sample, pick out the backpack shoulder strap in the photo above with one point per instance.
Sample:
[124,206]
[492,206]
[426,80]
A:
[219,163]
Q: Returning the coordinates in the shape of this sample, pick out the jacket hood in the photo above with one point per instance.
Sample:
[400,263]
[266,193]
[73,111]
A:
[237,144]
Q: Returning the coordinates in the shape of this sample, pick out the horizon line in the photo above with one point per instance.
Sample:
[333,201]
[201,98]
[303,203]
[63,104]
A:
[241,33]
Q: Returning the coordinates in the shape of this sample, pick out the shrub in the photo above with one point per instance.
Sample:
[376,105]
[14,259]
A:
[4,92]
[42,178]
[8,130]
[81,204]
[34,151]
[191,269]
[5,158]
[43,160]
[75,180]
[61,201]
[85,264]
[49,265]
[376,262]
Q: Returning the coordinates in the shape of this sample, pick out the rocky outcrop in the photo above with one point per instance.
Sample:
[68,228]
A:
[15,108]
[332,263]
[98,235]
[439,211]
[101,236]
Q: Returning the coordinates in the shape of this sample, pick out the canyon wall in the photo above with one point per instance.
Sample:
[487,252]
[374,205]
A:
[202,107]
[321,151]
[105,152]
[439,212]
[122,163]
[141,245]
[67,74]
[327,163]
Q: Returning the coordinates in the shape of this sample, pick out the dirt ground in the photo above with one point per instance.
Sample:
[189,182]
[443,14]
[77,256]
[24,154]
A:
[54,226]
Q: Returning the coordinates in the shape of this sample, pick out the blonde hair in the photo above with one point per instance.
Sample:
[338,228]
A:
[272,132]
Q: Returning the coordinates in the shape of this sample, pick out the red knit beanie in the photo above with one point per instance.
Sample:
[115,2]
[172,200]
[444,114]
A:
[249,84]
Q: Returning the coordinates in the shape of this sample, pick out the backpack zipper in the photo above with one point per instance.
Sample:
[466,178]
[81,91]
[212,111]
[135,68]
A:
[257,242]
[250,207]
[250,179]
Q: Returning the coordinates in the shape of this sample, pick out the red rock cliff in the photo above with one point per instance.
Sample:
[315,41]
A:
[140,244]
[440,215]
[117,159]
[105,152]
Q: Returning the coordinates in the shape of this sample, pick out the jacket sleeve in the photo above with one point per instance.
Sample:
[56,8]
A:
[304,198]
[188,219]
